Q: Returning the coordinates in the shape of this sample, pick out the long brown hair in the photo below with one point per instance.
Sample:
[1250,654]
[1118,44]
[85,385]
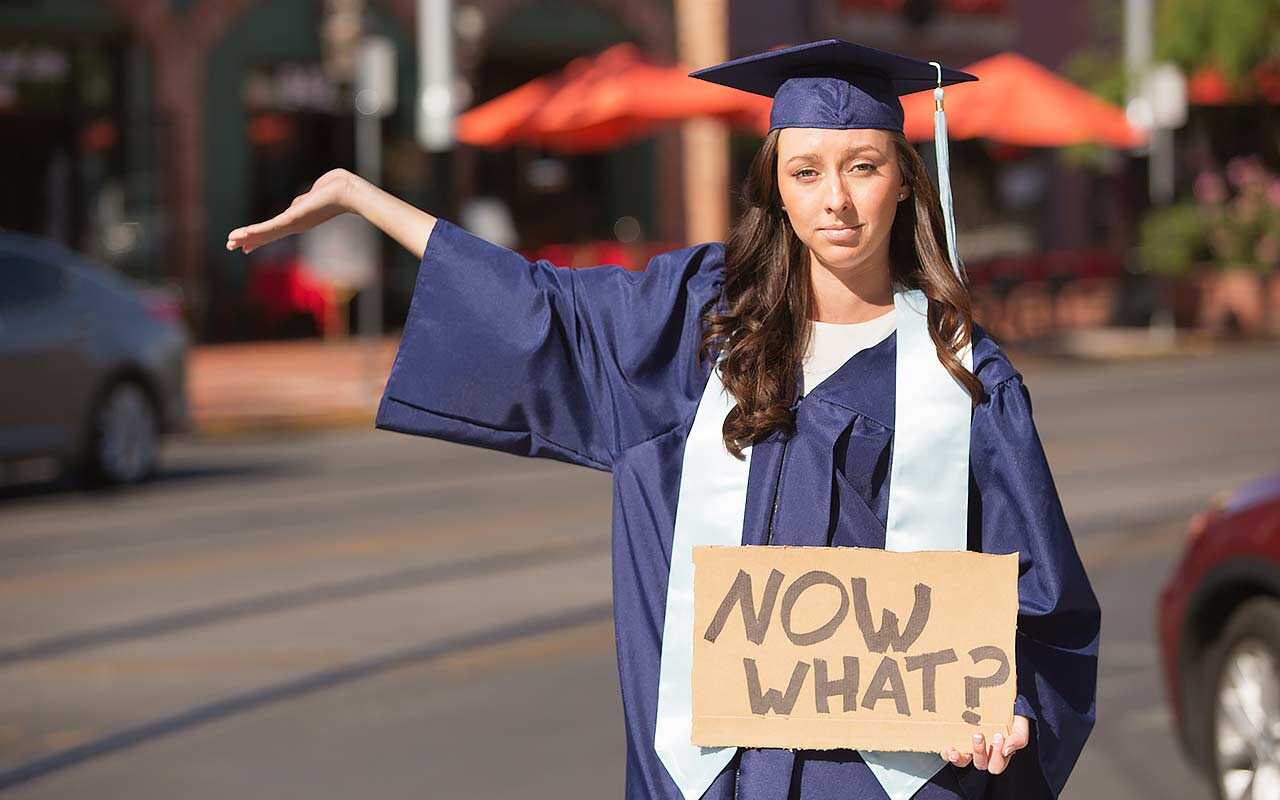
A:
[768,297]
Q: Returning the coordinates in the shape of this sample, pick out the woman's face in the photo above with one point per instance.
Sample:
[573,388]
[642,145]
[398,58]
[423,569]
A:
[841,189]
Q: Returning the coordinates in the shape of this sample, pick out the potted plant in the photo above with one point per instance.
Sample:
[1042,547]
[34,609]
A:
[1171,246]
[1241,215]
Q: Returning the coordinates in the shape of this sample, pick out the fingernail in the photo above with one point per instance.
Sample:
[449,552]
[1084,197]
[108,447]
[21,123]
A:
[997,739]
[977,738]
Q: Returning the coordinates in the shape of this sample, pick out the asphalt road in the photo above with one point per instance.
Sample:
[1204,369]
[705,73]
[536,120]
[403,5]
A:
[389,616]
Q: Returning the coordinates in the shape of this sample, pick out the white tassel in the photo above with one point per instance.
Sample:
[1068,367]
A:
[944,175]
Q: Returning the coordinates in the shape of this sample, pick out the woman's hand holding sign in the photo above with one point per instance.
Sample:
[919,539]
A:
[993,757]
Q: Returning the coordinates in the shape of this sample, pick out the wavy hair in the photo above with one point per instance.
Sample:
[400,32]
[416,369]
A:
[768,300]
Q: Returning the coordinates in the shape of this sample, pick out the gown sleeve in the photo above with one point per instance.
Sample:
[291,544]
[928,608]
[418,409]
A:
[539,360]
[1058,614]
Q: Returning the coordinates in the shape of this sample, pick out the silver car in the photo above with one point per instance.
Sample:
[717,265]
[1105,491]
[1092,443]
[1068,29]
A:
[92,369]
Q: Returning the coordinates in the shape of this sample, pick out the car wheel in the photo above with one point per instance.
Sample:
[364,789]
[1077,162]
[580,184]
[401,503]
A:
[124,436]
[1244,711]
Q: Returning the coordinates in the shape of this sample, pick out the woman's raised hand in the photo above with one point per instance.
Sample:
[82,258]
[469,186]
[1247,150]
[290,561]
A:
[328,197]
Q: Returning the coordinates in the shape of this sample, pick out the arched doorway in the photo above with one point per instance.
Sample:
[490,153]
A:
[273,125]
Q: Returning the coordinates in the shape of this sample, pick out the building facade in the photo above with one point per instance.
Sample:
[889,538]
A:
[142,131]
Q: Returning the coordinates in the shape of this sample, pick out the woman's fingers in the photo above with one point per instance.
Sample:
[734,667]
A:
[997,760]
[323,202]
[993,756]
[297,218]
[980,751]
[254,236]
[260,233]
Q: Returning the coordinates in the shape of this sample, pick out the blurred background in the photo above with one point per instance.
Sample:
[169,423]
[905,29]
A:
[216,577]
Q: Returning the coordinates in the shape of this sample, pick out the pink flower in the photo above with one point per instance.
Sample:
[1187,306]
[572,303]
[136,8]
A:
[1209,188]
[1273,192]
[1245,207]
[1244,171]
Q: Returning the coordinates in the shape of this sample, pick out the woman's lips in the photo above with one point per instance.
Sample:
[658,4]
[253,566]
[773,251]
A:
[841,235]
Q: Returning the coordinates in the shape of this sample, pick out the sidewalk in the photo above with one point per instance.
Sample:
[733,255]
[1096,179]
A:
[310,384]
[293,385]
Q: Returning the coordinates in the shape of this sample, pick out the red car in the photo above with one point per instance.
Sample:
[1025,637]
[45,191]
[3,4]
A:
[1219,623]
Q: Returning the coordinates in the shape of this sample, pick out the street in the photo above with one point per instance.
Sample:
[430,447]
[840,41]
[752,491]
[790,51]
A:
[362,612]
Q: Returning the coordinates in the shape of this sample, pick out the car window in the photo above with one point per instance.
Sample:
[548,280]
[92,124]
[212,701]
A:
[25,281]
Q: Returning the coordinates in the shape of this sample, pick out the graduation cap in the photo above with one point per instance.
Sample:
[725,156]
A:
[837,84]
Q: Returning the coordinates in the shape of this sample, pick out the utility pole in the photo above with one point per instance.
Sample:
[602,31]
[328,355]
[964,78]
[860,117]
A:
[1138,64]
[1157,103]
[436,106]
[375,99]
[702,39]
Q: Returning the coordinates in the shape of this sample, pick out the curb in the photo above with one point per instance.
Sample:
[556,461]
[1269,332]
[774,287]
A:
[250,425]
[1114,347]
[1124,346]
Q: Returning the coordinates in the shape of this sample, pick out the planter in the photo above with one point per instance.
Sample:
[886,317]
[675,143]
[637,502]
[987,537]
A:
[1272,293]
[1184,297]
[1233,301]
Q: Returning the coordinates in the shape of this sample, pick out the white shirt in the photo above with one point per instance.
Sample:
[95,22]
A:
[833,343]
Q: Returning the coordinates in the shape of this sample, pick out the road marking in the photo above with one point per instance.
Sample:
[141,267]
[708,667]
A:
[287,690]
[596,637]
[1156,718]
[414,536]
[557,550]
[1110,550]
[174,509]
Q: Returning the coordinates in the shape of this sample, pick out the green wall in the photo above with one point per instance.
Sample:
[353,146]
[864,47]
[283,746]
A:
[69,16]
[287,30]
[278,30]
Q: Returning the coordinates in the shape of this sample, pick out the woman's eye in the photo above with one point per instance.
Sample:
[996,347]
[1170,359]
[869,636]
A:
[856,167]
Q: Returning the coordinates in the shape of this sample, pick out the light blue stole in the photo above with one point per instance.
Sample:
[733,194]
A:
[928,510]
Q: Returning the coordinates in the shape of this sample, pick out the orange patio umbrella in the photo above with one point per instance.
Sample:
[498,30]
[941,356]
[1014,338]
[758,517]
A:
[1017,101]
[601,101]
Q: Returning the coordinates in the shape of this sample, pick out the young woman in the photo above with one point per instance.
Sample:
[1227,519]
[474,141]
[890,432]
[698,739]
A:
[605,368]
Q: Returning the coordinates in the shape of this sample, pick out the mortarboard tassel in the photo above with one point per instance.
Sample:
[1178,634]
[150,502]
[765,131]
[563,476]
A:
[944,174]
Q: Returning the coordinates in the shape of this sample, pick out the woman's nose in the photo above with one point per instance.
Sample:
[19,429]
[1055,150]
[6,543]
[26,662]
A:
[837,195]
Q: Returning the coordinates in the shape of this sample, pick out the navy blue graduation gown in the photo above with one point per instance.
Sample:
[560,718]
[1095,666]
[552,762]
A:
[598,367]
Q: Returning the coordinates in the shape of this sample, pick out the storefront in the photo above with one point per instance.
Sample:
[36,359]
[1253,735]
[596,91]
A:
[142,134]
[78,134]
[275,122]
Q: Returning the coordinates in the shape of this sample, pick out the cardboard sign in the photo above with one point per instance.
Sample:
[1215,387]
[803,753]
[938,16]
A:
[852,647]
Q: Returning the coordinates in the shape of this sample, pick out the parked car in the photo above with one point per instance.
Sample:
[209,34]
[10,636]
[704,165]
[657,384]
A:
[1219,626]
[93,366]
